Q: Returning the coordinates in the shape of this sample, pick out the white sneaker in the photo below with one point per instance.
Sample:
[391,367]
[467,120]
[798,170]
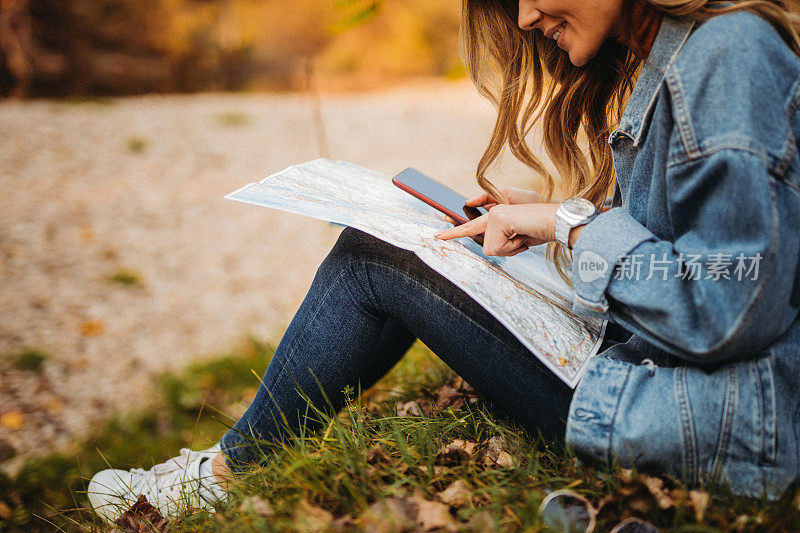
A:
[181,483]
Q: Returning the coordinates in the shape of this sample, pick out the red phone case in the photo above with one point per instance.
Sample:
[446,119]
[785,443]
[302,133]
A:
[439,207]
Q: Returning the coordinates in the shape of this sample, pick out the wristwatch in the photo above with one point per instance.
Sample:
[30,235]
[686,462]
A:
[571,213]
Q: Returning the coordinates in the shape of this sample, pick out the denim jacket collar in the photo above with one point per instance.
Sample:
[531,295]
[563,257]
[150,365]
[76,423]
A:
[671,36]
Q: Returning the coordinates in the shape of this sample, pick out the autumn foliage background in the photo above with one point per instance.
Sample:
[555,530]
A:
[57,48]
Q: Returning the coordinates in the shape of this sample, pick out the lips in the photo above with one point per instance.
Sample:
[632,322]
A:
[556,31]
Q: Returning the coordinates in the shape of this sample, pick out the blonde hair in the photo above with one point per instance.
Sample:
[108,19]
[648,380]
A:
[528,78]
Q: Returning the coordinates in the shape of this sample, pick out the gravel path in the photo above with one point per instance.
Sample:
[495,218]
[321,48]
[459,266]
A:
[87,189]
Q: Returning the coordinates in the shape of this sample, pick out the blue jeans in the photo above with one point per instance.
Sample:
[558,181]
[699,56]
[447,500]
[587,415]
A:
[368,303]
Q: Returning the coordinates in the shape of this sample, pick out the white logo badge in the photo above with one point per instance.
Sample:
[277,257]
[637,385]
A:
[591,266]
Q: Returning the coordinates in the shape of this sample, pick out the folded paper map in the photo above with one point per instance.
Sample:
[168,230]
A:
[523,292]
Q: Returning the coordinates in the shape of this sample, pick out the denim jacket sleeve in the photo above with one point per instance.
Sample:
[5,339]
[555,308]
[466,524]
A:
[717,285]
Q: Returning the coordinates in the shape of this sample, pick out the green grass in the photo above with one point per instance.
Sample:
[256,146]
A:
[136,145]
[369,469]
[232,118]
[126,276]
[30,360]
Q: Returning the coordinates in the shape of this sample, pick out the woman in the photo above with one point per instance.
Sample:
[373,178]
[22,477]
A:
[695,264]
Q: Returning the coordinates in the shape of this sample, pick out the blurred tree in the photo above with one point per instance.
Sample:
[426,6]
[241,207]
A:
[114,47]
[24,59]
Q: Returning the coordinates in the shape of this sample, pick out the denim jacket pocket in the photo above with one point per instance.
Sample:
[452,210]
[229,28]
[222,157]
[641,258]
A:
[743,425]
[764,381]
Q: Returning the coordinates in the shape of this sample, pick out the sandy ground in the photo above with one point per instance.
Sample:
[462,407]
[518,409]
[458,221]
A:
[89,188]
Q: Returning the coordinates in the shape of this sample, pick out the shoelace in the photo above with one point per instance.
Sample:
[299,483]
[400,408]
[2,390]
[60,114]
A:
[168,473]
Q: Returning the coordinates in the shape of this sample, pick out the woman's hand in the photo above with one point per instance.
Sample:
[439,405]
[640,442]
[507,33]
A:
[509,229]
[515,196]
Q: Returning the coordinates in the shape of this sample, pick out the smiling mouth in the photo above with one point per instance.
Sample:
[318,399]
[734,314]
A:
[559,31]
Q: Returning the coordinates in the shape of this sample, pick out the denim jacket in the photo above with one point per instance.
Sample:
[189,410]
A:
[696,266]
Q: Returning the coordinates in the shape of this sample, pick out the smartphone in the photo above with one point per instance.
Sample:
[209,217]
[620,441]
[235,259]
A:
[437,195]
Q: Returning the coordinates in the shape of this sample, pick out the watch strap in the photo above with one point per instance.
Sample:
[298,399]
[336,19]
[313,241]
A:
[565,221]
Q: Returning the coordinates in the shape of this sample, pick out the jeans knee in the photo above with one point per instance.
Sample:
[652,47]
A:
[352,240]
[356,245]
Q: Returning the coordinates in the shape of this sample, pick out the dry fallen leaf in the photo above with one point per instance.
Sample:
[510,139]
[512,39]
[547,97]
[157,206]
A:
[344,523]
[457,493]
[496,455]
[54,405]
[503,460]
[455,452]
[641,494]
[376,455]
[141,517]
[454,394]
[389,515]
[656,488]
[481,522]
[92,328]
[640,505]
[432,515]
[699,501]
[87,232]
[742,522]
[257,505]
[6,512]
[436,469]
[407,409]
[13,420]
[309,517]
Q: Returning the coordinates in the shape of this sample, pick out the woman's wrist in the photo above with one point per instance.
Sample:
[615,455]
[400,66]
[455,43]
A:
[574,233]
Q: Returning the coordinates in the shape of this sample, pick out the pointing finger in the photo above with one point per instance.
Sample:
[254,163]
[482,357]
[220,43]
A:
[470,229]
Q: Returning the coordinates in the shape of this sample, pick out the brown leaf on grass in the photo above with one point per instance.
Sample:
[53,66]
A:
[656,488]
[310,518]
[406,513]
[92,328]
[436,469]
[699,501]
[625,475]
[390,514]
[454,394]
[741,522]
[376,455]
[86,232]
[455,452]
[412,408]
[6,512]
[13,420]
[433,515]
[640,494]
[503,460]
[496,454]
[481,522]
[257,505]
[54,405]
[344,523]
[141,517]
[638,505]
[457,493]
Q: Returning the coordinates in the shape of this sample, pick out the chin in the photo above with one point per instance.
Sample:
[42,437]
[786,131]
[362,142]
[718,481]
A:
[578,61]
[580,57]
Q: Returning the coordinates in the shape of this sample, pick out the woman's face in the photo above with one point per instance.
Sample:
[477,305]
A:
[579,26]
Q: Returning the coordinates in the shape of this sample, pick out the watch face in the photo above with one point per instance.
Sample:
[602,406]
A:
[579,206]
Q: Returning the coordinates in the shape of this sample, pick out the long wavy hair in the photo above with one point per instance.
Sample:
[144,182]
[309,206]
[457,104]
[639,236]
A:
[529,78]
